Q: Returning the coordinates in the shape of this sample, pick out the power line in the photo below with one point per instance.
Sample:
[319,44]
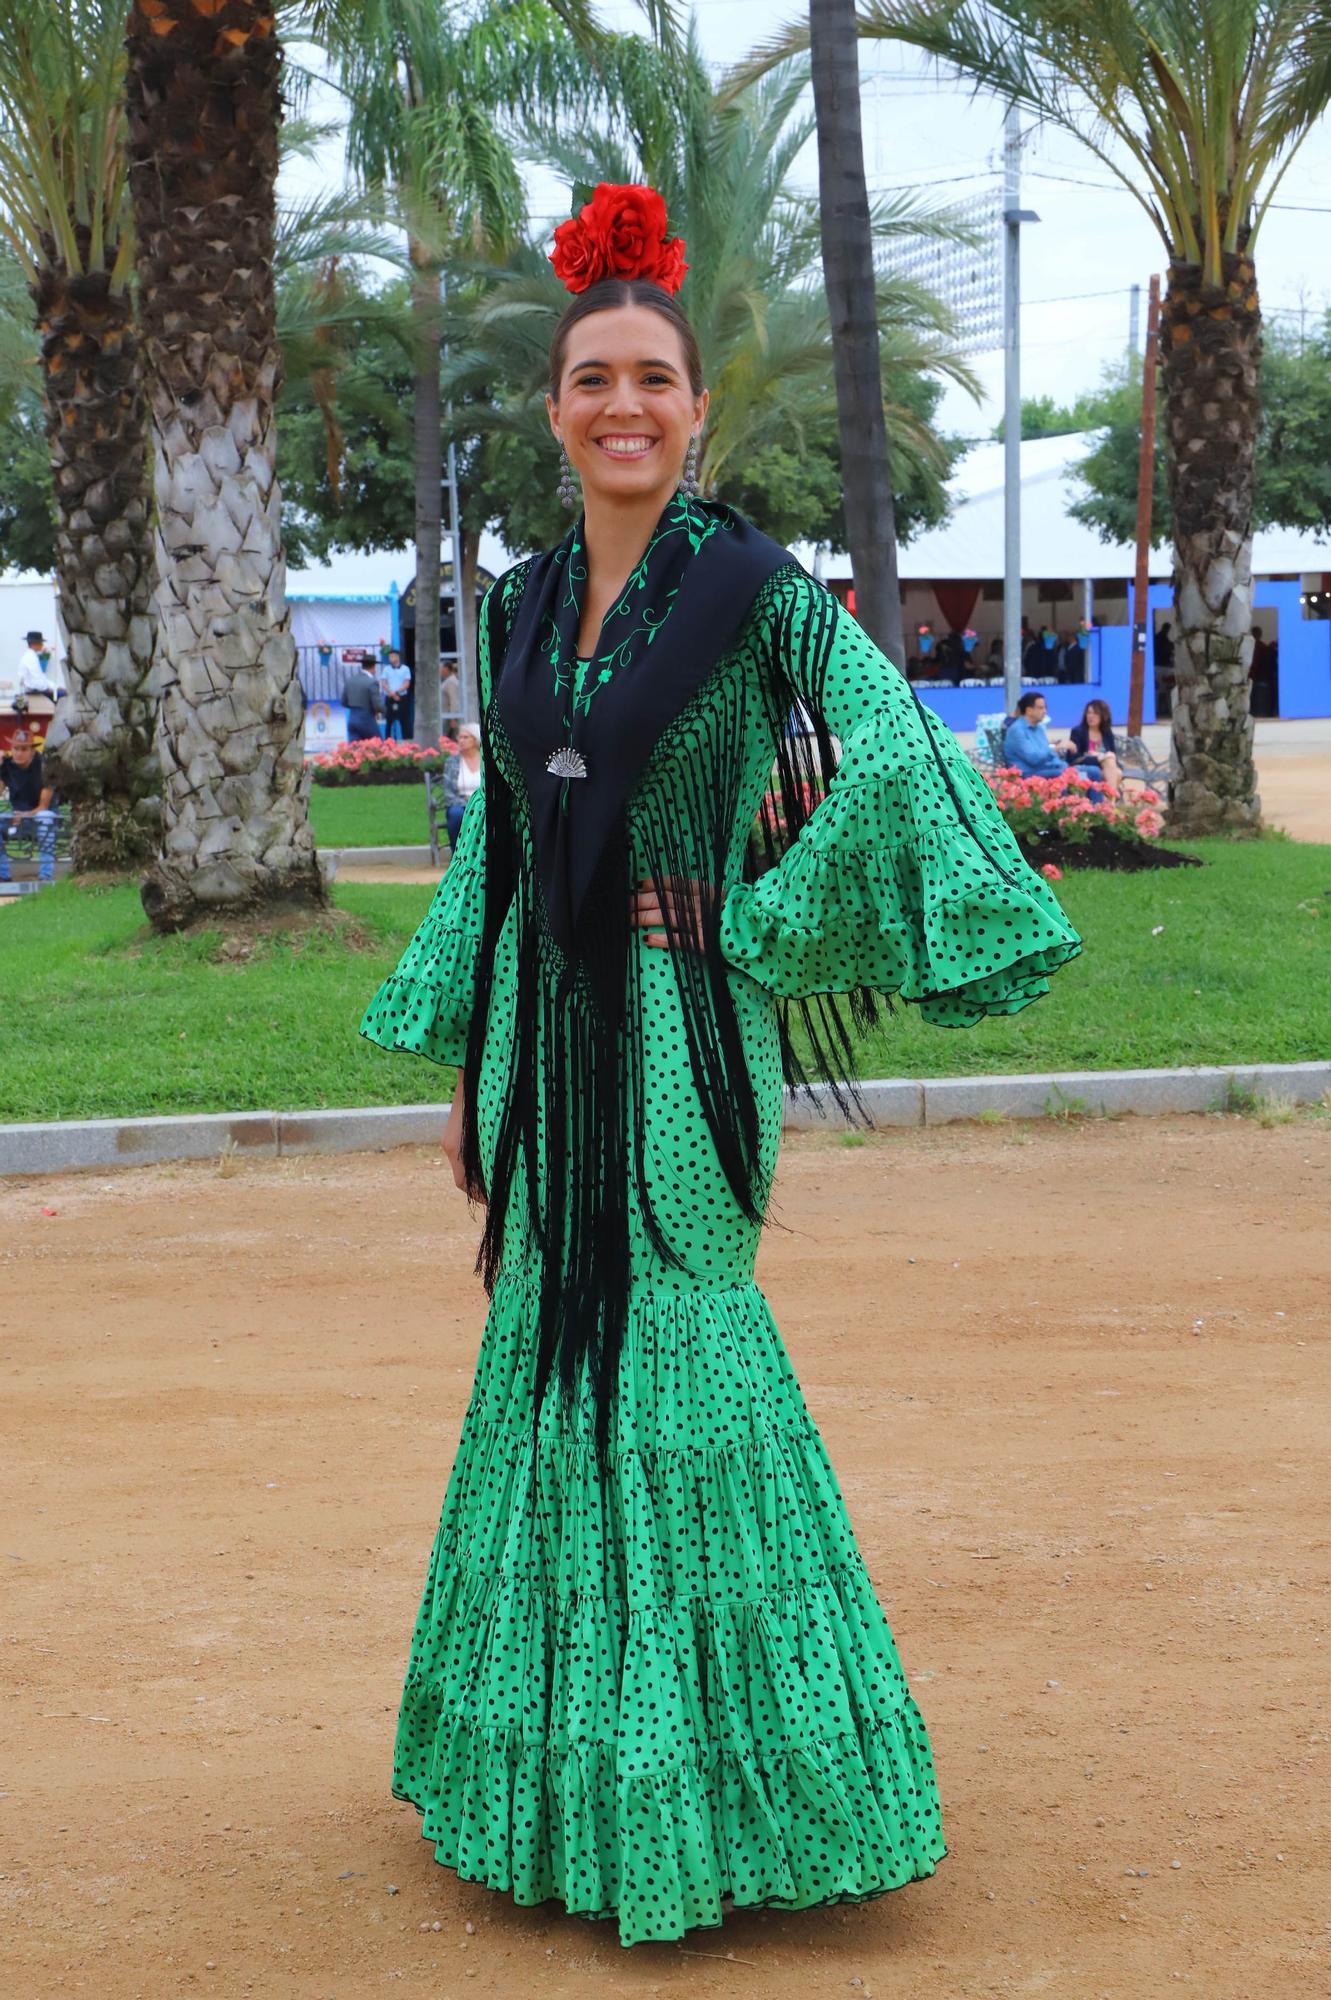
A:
[1066,298]
[1116,187]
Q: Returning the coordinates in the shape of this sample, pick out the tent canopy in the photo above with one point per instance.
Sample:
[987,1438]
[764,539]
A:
[373,575]
[969,544]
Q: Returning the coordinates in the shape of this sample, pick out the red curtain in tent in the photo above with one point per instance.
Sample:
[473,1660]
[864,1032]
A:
[956,601]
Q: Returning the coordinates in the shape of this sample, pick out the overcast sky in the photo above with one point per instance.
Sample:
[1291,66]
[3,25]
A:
[1092,242]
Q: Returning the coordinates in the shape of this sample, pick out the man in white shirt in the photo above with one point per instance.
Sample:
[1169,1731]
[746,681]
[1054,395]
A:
[395,680]
[33,677]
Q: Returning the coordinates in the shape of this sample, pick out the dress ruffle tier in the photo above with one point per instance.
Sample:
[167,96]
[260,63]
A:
[641,1696]
[416,1010]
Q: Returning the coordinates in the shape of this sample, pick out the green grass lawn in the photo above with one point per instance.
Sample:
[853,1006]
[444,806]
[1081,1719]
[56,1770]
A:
[103,1020]
[370,815]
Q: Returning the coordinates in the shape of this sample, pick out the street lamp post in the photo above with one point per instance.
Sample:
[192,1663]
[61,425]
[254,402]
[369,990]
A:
[1013,217]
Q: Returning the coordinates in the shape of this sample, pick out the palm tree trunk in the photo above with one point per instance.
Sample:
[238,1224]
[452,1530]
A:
[204,105]
[1211,348]
[100,742]
[429,463]
[849,274]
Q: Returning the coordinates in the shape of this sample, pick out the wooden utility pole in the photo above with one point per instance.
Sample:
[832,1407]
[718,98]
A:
[1145,494]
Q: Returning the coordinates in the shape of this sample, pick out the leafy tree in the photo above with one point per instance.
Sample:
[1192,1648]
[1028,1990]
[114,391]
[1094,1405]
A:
[1042,417]
[1110,469]
[348,466]
[1293,486]
[1294,452]
[27,530]
[27,497]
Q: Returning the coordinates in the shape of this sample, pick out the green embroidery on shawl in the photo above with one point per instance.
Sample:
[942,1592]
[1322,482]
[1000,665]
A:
[682,518]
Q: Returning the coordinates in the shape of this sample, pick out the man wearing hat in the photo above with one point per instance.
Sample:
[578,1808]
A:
[29,809]
[36,676]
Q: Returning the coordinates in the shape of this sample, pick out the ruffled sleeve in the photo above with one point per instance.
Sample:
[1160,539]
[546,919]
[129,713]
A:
[906,878]
[424,1006]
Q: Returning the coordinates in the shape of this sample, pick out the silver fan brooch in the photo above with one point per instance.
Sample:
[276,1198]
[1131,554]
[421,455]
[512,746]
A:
[566,763]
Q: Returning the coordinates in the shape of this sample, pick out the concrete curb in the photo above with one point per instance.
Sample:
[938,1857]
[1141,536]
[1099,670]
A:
[119,1142]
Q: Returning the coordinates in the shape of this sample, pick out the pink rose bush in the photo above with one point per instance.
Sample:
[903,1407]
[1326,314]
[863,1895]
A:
[1059,806]
[378,761]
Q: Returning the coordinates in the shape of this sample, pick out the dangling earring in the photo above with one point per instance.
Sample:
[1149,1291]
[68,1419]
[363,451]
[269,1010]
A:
[568,492]
[690,479]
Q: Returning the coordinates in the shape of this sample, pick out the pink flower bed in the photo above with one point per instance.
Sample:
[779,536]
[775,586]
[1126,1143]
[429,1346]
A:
[1032,805]
[378,761]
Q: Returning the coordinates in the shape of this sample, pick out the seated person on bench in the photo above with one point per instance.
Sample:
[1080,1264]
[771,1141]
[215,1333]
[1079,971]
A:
[1027,748]
[462,778]
[29,808]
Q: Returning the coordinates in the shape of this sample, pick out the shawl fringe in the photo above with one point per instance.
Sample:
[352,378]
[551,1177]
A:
[575,1086]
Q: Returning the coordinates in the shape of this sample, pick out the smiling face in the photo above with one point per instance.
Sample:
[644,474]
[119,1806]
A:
[626,410]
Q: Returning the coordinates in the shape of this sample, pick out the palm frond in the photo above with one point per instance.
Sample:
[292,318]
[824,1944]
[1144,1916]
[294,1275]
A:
[343,224]
[1196,106]
[62,164]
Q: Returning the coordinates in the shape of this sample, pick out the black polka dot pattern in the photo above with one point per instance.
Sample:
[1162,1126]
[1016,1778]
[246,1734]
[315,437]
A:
[641,1695]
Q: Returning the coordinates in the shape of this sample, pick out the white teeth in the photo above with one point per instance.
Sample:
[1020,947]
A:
[625,447]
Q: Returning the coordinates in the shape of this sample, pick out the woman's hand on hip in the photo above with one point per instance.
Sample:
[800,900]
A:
[679,895]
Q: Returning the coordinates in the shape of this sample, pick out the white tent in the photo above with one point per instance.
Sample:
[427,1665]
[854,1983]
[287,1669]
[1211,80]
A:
[348,600]
[27,604]
[969,544]
[345,601]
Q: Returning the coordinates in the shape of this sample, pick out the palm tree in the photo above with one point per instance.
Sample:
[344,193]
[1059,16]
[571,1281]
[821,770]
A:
[1198,107]
[753,289]
[847,238]
[203,96]
[64,218]
[427,85]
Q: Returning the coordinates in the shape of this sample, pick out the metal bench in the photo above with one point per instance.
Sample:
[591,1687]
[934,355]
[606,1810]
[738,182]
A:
[22,846]
[435,813]
[1136,761]
[988,751]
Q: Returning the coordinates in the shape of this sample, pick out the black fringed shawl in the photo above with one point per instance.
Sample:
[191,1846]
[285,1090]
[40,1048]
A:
[557,851]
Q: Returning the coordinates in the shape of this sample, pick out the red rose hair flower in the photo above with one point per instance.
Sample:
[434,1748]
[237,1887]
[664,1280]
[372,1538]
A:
[619,233]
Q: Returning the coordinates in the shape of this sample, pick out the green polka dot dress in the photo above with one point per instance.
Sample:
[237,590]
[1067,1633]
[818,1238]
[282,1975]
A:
[643,1695]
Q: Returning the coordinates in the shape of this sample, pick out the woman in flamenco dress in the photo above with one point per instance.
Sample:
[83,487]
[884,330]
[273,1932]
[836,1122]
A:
[649,1676]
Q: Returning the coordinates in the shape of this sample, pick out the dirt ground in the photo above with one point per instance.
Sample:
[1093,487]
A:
[1075,1383]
